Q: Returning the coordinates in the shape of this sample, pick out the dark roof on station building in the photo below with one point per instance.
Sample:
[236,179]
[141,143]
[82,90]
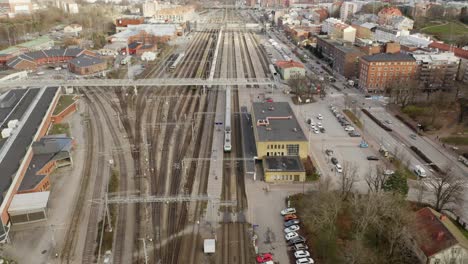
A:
[283,164]
[276,122]
[44,54]
[47,149]
[85,61]
[12,154]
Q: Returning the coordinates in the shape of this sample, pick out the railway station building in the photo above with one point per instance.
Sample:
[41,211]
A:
[27,155]
[283,169]
[277,131]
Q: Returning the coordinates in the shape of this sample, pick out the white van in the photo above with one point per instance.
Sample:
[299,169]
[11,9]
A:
[419,170]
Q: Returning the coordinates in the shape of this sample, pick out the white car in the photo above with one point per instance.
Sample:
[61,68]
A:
[312,125]
[288,211]
[339,169]
[305,261]
[349,128]
[292,228]
[301,254]
[319,125]
[316,131]
[319,117]
[291,235]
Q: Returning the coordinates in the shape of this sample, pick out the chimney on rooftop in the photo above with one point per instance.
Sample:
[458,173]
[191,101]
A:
[440,235]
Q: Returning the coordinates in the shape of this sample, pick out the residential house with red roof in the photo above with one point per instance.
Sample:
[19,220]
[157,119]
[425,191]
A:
[290,69]
[442,241]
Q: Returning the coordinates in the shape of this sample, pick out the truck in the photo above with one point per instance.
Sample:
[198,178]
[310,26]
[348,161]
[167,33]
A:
[125,60]
[383,151]
[209,246]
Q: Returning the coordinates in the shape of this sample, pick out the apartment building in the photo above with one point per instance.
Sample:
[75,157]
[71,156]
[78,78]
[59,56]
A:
[437,70]
[347,10]
[342,55]
[377,72]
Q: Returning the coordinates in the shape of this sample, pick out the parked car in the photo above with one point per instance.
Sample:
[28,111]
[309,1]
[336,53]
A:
[339,169]
[372,158]
[291,235]
[290,217]
[262,258]
[301,254]
[413,136]
[297,240]
[388,121]
[300,246]
[322,130]
[316,131]
[334,160]
[288,211]
[319,117]
[305,261]
[349,128]
[329,152]
[269,100]
[319,125]
[291,222]
[292,228]
[354,134]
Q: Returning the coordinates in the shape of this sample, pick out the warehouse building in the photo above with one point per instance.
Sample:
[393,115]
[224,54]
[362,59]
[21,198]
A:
[277,132]
[32,60]
[85,64]
[27,156]
[283,169]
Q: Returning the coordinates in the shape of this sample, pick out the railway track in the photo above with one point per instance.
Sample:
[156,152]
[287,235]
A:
[117,153]
[91,150]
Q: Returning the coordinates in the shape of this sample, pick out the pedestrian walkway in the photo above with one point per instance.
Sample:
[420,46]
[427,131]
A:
[215,178]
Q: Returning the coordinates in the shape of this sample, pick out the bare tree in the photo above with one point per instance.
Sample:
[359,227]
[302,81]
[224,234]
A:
[447,190]
[348,177]
[376,179]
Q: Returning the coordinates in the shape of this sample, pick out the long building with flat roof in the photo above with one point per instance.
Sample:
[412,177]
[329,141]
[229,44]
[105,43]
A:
[32,108]
[277,131]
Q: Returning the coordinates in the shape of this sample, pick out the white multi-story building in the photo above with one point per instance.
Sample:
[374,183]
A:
[329,24]
[389,35]
[16,7]
[69,6]
[347,10]
[401,23]
[437,70]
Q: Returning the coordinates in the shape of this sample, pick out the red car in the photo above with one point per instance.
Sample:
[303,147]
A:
[269,100]
[290,217]
[262,258]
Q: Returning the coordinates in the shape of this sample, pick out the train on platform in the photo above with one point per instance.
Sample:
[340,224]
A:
[227,122]
[176,62]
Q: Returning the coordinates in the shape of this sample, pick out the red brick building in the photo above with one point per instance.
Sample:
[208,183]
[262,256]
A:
[85,65]
[377,72]
[31,60]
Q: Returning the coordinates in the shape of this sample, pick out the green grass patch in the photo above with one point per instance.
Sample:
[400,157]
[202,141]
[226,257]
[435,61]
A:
[459,141]
[61,128]
[460,227]
[64,102]
[448,32]
[414,111]
[353,118]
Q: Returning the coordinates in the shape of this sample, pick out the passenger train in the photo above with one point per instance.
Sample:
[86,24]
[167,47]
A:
[227,122]
[176,62]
